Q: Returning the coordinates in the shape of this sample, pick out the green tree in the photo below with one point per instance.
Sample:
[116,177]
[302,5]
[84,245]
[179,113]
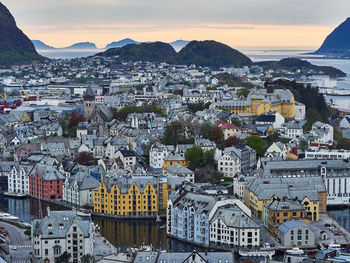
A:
[236,122]
[28,231]
[205,129]
[194,156]
[243,92]
[64,258]
[207,105]
[257,143]
[216,134]
[208,157]
[87,259]
[173,133]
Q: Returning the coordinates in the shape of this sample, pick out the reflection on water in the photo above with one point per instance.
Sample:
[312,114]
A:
[121,233]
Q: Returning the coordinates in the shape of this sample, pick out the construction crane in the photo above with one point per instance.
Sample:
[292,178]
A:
[4,97]
[25,93]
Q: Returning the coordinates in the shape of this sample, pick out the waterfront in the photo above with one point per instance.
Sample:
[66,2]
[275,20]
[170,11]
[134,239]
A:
[121,233]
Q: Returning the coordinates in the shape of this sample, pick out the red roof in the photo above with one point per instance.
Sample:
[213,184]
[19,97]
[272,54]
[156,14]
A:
[225,125]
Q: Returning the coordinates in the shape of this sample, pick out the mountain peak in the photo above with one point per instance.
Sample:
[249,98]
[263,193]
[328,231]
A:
[15,46]
[337,43]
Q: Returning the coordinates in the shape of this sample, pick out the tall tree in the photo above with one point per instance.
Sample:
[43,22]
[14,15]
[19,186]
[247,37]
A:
[194,156]
[173,133]
[216,134]
[257,143]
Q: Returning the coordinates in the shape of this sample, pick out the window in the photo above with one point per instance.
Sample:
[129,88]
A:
[46,252]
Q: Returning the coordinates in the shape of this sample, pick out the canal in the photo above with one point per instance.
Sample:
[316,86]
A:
[121,233]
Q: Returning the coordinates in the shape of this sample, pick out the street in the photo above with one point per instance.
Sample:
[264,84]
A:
[19,239]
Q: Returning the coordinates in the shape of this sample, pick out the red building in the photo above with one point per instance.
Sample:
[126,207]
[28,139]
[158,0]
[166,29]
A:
[45,182]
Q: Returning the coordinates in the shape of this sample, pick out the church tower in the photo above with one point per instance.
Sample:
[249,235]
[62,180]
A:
[89,102]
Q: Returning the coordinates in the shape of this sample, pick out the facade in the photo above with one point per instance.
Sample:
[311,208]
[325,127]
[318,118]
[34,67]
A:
[292,129]
[229,164]
[78,189]
[323,133]
[295,234]
[131,196]
[270,118]
[310,191]
[18,179]
[228,129]
[189,215]
[247,156]
[231,227]
[157,153]
[128,158]
[46,182]
[59,232]
[328,154]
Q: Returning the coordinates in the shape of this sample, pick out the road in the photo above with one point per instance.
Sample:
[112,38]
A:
[19,239]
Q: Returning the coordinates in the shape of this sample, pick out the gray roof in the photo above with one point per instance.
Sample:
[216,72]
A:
[178,169]
[47,172]
[49,227]
[285,205]
[84,180]
[286,226]
[234,217]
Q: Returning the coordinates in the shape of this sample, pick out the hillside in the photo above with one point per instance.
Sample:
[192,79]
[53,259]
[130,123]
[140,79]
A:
[338,42]
[121,43]
[153,52]
[293,64]
[82,46]
[15,46]
[210,54]
[39,45]
[179,44]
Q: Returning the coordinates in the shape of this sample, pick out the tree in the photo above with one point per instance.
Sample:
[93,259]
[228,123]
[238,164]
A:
[28,231]
[194,107]
[243,92]
[236,122]
[257,143]
[64,258]
[207,105]
[216,134]
[205,129]
[194,156]
[85,158]
[232,141]
[87,259]
[173,133]
[74,119]
[208,157]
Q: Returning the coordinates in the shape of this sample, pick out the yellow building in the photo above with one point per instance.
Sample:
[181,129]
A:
[131,196]
[172,159]
[260,101]
[279,211]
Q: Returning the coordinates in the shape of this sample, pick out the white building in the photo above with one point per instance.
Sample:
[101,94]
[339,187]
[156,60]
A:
[323,133]
[299,111]
[292,130]
[327,154]
[18,179]
[229,164]
[79,189]
[180,170]
[277,149]
[345,122]
[128,158]
[157,153]
[270,118]
[231,227]
[62,231]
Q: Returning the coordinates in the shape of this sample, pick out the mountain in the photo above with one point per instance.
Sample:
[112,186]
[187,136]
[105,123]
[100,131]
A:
[338,42]
[153,52]
[15,46]
[39,45]
[210,53]
[179,44]
[295,63]
[82,46]
[121,43]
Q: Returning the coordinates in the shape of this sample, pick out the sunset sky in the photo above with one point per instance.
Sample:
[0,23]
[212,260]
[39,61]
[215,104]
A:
[301,23]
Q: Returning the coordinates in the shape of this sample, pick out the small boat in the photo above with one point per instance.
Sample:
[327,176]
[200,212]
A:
[295,251]
[15,195]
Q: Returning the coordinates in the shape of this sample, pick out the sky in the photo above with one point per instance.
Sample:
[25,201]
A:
[238,23]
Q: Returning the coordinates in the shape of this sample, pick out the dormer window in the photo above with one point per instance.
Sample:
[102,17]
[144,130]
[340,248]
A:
[65,218]
[49,227]
[50,234]
[61,226]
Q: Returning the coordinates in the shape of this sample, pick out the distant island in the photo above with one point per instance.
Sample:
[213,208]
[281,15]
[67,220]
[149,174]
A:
[337,44]
[293,64]
[15,46]
[201,53]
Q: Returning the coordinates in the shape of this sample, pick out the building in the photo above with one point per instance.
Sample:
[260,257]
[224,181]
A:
[18,179]
[295,234]
[157,153]
[277,149]
[335,175]
[231,227]
[189,215]
[180,170]
[205,144]
[327,154]
[300,111]
[78,189]
[270,118]
[127,157]
[323,133]
[247,156]
[46,182]
[292,129]
[131,196]
[310,191]
[59,232]
[279,211]
[172,159]
[228,129]
[229,164]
